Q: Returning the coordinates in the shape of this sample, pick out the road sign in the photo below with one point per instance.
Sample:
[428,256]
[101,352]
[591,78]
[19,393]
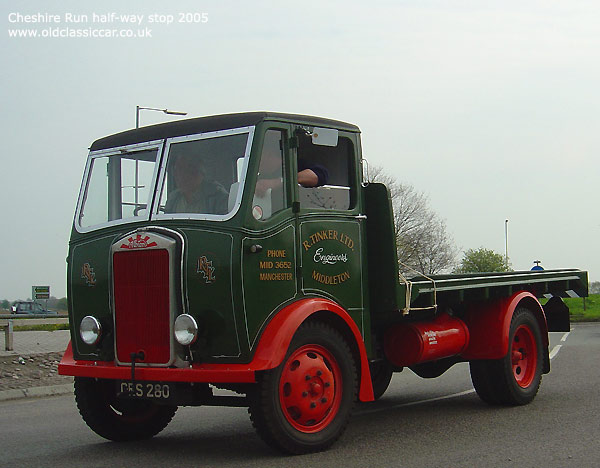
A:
[40,292]
[537,266]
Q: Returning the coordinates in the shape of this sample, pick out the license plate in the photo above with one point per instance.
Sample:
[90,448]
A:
[145,390]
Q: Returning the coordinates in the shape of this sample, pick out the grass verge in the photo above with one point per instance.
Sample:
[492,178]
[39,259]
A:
[42,327]
[591,312]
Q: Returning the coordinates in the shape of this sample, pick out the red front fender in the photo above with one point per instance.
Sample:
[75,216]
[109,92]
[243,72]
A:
[270,352]
[278,334]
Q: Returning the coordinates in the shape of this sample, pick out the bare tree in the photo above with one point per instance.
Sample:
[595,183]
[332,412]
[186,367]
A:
[422,241]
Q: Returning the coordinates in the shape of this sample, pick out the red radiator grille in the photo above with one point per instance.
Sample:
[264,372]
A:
[141,294]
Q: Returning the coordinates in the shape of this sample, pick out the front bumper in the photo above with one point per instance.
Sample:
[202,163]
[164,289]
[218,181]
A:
[208,373]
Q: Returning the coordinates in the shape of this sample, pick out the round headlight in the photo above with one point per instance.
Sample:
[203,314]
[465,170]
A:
[186,329]
[90,330]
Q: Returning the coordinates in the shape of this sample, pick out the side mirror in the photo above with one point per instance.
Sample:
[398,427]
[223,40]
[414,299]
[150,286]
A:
[324,136]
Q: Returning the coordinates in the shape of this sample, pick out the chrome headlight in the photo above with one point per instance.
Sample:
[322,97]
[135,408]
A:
[186,329]
[90,330]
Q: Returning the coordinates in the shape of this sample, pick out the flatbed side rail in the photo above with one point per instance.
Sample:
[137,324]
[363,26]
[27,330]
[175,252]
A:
[564,283]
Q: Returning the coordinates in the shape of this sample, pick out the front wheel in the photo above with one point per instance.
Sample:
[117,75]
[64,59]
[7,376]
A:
[118,419]
[515,378]
[305,404]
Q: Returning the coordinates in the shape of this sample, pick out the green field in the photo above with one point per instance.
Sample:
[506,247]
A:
[591,312]
[42,327]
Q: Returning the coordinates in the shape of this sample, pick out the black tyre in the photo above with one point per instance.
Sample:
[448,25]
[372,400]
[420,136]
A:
[304,405]
[515,379]
[381,376]
[118,419]
[482,382]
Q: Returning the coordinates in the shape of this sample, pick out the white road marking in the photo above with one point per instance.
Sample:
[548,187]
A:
[555,351]
[413,403]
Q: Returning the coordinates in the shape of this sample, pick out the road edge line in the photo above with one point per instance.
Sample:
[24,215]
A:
[413,403]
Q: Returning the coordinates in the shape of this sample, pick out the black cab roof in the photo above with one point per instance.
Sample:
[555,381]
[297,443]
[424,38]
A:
[211,124]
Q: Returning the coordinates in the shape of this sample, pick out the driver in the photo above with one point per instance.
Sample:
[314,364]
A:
[195,193]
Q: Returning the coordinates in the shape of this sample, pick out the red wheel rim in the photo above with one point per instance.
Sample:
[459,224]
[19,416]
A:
[524,356]
[310,388]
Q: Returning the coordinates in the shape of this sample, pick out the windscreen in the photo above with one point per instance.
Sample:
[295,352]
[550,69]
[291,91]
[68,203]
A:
[118,187]
[203,175]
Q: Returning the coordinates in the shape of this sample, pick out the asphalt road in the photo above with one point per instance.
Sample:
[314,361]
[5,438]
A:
[417,423]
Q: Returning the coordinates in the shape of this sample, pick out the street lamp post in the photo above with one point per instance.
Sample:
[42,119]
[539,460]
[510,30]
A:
[165,111]
[137,125]
[506,243]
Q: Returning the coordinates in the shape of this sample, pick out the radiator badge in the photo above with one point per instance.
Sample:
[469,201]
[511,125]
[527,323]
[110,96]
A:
[138,242]
[87,273]
[205,266]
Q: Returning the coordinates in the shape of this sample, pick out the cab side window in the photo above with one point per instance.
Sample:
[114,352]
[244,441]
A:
[338,191]
[269,194]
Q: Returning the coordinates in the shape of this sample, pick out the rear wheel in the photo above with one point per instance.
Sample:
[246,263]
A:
[118,419]
[514,379]
[305,404]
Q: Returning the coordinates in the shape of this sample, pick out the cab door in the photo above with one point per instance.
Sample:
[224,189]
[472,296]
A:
[269,253]
[331,227]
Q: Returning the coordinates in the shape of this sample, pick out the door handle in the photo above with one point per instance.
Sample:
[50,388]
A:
[255,248]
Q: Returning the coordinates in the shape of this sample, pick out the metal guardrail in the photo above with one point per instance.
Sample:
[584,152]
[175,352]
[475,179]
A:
[9,328]
[8,335]
[32,316]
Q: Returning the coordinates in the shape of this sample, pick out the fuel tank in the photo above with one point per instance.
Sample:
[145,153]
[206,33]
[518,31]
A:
[406,344]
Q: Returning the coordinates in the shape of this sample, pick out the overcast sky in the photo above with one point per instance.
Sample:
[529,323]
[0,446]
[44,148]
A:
[491,108]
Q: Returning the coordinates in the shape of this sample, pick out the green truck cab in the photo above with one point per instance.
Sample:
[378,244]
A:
[198,262]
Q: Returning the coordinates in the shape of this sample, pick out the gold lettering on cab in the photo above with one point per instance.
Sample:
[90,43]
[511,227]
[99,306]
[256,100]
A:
[335,253]
[276,253]
[277,269]
[275,276]
[205,267]
[87,273]
[326,279]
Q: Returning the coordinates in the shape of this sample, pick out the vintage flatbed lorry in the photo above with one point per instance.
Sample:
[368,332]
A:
[197,262]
